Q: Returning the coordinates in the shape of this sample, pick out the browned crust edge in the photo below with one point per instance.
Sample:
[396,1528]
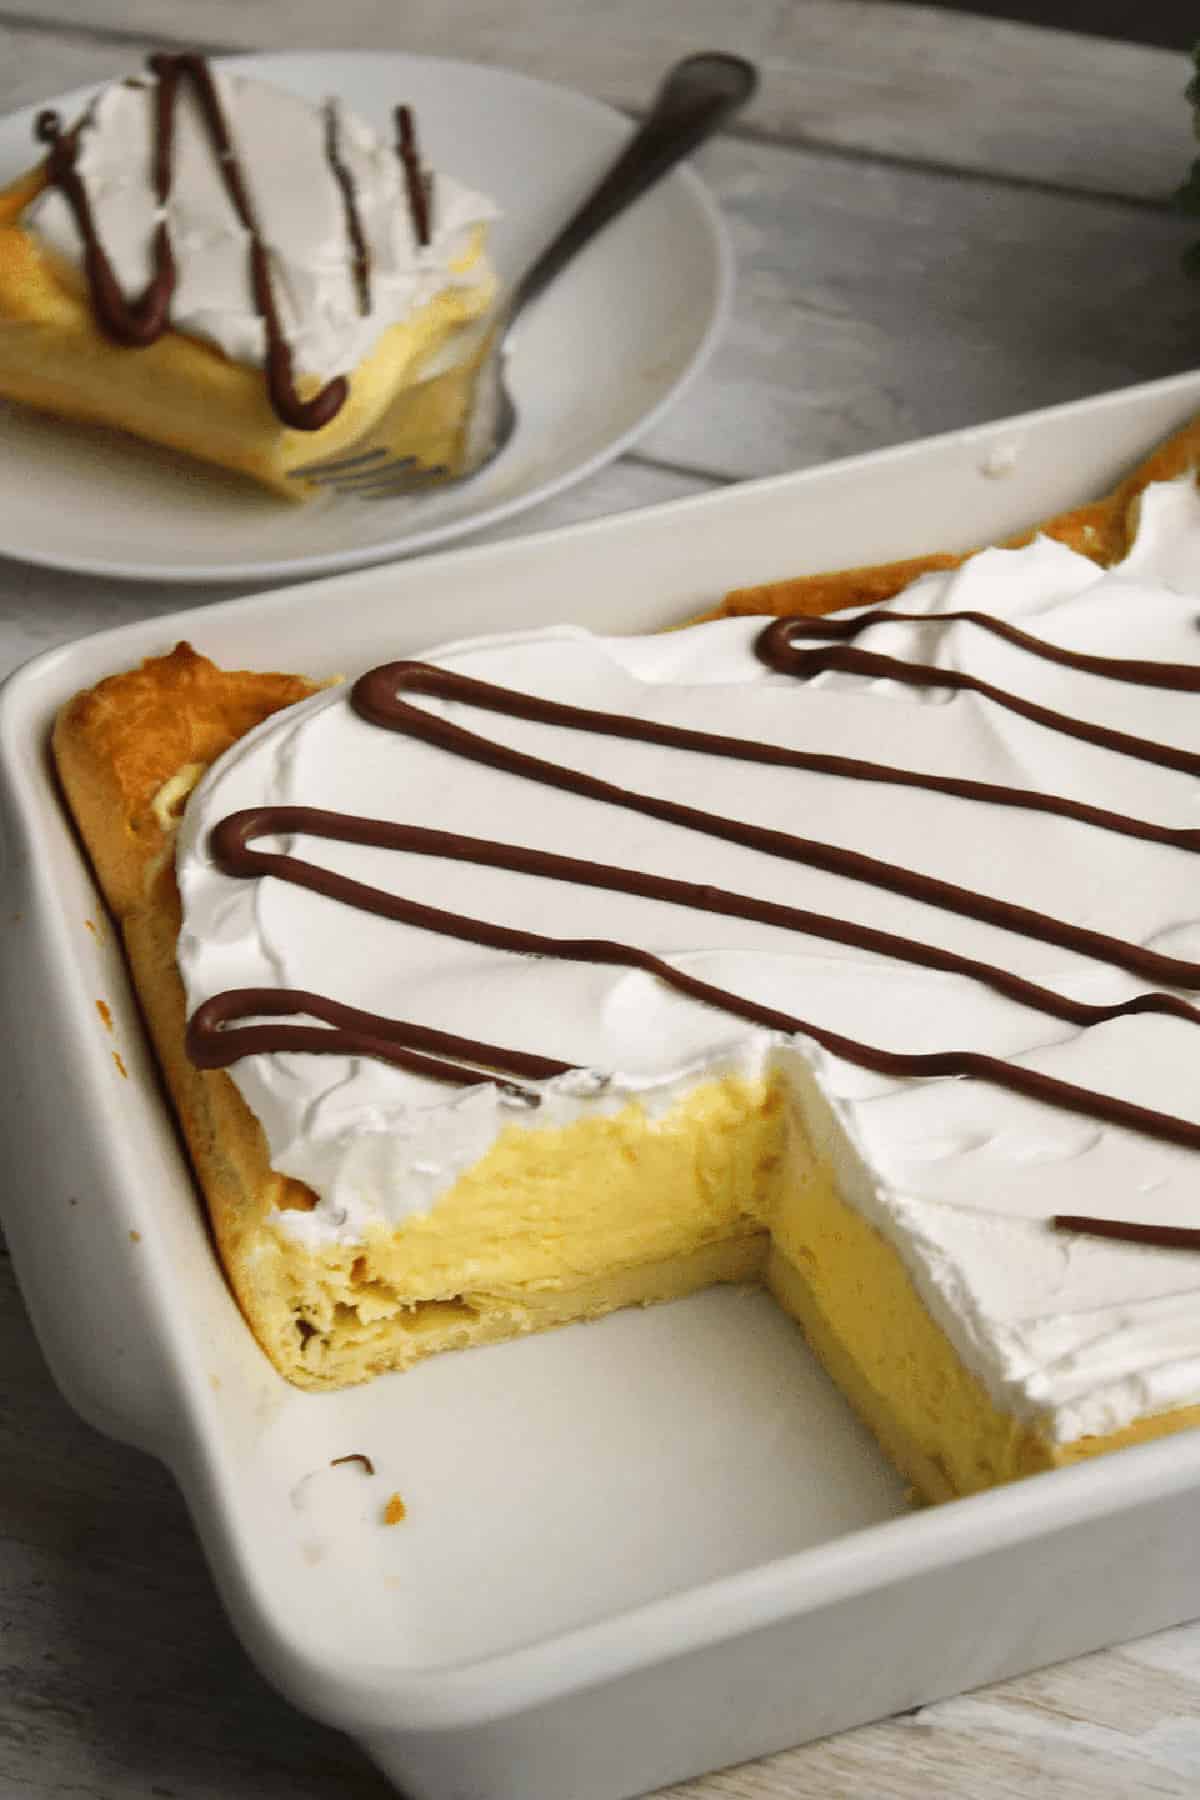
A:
[116,746]
[1101,529]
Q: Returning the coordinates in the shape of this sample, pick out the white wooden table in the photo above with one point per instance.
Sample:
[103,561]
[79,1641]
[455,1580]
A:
[938,220]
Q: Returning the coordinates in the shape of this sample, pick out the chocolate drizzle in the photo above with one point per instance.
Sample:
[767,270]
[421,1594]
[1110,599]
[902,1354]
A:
[777,647]
[354,230]
[1131,1231]
[380,698]
[212,1045]
[130,323]
[140,322]
[416,180]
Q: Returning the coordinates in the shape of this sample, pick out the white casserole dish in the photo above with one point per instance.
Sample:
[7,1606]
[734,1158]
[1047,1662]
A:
[633,1551]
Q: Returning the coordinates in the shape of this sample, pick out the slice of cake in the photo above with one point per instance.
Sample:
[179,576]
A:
[221,266]
[553,973]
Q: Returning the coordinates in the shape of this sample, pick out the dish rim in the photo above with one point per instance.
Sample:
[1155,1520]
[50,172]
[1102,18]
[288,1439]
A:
[500,1684]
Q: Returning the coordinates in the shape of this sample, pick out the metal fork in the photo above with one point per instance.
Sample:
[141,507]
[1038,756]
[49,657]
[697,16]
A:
[696,96]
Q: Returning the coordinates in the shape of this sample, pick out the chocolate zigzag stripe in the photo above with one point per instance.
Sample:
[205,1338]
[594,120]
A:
[777,647]
[1182,677]
[1130,1231]
[212,1045]
[490,698]
[377,696]
[416,180]
[137,323]
[354,230]
[230,848]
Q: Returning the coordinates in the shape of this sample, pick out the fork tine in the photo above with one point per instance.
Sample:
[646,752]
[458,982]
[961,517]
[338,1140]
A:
[391,483]
[697,95]
[336,464]
[352,480]
[395,468]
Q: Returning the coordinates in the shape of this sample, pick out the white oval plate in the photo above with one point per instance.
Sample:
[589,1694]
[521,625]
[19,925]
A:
[601,356]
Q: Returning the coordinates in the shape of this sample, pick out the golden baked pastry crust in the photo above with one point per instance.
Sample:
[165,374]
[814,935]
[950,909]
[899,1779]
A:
[1101,529]
[128,751]
[178,390]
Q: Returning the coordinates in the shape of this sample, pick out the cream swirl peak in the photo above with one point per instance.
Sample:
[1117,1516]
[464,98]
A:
[344,251]
[1045,922]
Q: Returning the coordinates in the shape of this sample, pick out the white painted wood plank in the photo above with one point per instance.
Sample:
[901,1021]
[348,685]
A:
[903,81]
[119,1676]
[1094,1729]
[984,94]
[876,304]
[35,65]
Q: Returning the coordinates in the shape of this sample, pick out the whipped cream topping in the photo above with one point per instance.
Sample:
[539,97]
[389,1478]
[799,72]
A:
[281,143]
[962,1177]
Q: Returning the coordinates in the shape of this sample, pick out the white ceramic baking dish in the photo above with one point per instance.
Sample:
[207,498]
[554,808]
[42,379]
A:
[635,1550]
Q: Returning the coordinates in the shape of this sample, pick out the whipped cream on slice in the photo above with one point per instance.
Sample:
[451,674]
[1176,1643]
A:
[960,1175]
[280,142]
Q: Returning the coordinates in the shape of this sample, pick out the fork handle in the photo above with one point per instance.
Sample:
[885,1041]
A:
[696,96]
